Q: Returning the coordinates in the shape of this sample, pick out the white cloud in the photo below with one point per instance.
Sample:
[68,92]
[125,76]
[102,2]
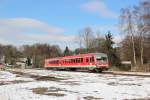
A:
[20,31]
[105,28]
[99,8]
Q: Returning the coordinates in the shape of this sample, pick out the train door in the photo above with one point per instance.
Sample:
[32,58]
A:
[87,60]
[92,60]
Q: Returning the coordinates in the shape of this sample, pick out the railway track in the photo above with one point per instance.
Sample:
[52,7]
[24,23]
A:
[124,73]
[127,73]
[142,74]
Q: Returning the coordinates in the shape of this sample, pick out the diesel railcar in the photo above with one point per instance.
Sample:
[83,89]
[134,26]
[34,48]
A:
[91,61]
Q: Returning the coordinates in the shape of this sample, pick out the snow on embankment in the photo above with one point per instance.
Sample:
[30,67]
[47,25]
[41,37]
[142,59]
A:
[62,85]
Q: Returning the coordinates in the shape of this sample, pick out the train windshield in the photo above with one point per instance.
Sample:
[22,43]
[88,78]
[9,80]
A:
[101,59]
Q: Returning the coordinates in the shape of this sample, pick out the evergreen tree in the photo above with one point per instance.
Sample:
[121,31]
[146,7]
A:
[66,51]
[28,62]
[111,52]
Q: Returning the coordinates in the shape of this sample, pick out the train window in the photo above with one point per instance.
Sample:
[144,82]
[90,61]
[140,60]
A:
[101,59]
[91,59]
[81,60]
[71,60]
[76,60]
[67,61]
[104,58]
[87,60]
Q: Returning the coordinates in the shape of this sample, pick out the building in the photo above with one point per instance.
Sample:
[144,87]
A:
[24,63]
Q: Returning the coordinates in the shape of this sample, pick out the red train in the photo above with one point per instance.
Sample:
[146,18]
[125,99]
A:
[92,61]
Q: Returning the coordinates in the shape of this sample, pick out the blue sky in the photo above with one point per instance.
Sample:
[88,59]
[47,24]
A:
[57,21]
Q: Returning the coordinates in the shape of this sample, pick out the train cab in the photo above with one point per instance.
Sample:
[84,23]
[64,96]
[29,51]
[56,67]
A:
[101,60]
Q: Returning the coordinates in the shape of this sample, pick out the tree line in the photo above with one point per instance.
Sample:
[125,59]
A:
[36,52]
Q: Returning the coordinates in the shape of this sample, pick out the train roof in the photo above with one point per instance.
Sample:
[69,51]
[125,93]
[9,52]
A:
[100,54]
[79,56]
[87,54]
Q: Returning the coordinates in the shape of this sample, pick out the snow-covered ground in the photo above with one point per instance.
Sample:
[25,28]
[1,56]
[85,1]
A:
[62,85]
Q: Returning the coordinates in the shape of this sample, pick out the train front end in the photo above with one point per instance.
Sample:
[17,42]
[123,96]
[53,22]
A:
[101,61]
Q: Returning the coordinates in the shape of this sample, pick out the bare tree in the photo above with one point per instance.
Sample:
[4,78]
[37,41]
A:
[87,36]
[38,52]
[79,39]
[127,27]
[142,19]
